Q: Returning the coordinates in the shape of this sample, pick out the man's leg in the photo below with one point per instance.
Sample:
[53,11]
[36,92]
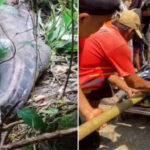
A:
[97,95]
[92,141]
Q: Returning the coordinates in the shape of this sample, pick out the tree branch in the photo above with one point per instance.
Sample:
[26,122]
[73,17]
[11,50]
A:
[42,137]
[72,54]
[6,127]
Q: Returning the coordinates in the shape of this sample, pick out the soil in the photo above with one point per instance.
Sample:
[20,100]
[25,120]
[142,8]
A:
[51,85]
[47,93]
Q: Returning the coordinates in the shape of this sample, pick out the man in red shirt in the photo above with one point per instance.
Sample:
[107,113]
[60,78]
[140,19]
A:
[106,52]
[92,15]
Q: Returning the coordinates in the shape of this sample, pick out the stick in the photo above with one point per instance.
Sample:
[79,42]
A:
[45,136]
[3,138]
[92,125]
[11,125]
[72,54]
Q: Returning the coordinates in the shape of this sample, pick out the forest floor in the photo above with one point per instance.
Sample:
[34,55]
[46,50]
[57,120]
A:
[47,94]
[49,103]
[50,85]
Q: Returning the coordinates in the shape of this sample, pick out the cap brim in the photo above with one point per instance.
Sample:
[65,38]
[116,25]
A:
[138,33]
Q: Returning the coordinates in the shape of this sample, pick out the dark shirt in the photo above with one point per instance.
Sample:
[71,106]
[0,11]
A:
[145,23]
[136,4]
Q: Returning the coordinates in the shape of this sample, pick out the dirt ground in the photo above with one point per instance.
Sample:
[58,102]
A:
[46,94]
[130,133]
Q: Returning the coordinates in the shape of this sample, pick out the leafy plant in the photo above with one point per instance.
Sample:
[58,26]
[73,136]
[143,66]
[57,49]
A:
[52,112]
[29,147]
[32,44]
[3,52]
[52,126]
[2,2]
[68,121]
[63,122]
[32,119]
[57,31]
[4,47]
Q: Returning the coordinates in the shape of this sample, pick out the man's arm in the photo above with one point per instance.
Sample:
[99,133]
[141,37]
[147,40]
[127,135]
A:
[137,82]
[115,79]
[85,108]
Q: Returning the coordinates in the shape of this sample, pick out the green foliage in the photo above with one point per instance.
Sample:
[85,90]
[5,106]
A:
[58,29]
[67,121]
[52,112]
[29,147]
[32,119]
[3,52]
[4,47]
[67,17]
[2,2]
[32,44]
[147,103]
[52,126]
[63,122]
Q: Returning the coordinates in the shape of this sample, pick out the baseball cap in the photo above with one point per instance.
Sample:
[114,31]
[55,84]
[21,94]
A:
[99,7]
[130,19]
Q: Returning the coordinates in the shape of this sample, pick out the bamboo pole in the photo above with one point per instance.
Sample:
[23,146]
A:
[93,124]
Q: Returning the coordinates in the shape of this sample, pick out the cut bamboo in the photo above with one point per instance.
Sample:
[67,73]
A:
[93,124]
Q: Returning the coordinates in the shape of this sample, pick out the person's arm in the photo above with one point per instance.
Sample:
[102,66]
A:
[85,108]
[115,79]
[137,82]
[121,60]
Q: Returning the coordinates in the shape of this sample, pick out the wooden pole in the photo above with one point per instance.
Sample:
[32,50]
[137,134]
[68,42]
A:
[93,124]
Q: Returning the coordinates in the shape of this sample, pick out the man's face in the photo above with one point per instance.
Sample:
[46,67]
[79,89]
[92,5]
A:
[89,24]
[128,3]
[129,34]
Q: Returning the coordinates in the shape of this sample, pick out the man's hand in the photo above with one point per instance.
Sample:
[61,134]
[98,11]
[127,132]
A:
[95,112]
[86,109]
[131,92]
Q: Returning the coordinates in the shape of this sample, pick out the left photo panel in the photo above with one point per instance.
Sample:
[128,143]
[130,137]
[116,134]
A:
[38,74]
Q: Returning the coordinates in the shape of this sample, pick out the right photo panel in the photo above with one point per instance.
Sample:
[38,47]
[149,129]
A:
[114,74]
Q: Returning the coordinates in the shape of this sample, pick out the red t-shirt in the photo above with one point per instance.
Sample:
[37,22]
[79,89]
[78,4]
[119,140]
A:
[104,53]
[81,45]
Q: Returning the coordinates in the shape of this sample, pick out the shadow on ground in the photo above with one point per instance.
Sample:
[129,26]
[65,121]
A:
[130,133]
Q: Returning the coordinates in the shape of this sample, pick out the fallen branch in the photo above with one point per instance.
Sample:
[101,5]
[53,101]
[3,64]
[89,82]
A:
[3,138]
[6,127]
[42,137]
